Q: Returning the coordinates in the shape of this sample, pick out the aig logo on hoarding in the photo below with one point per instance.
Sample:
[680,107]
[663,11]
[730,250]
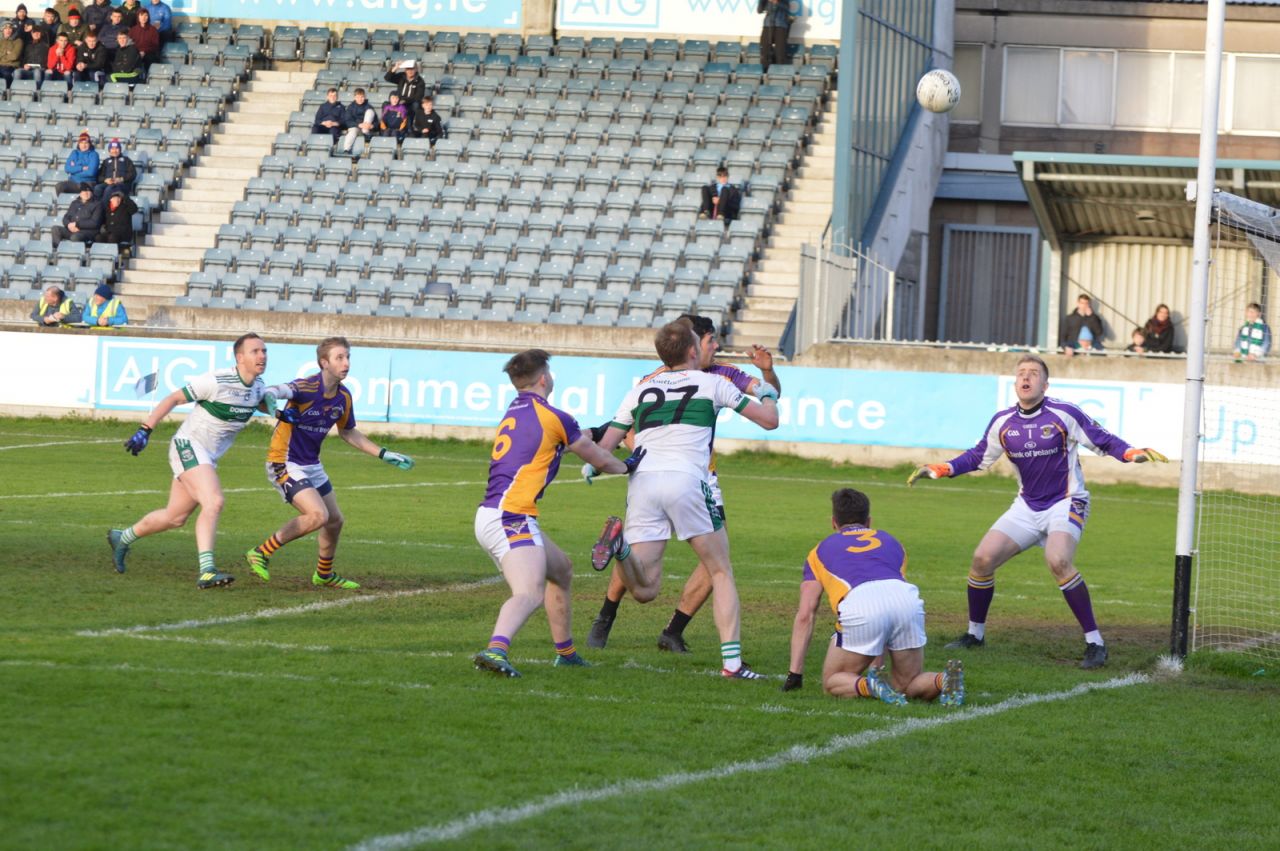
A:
[122,363]
[624,14]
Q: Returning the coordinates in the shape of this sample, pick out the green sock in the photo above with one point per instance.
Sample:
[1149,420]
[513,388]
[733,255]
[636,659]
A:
[206,563]
[128,536]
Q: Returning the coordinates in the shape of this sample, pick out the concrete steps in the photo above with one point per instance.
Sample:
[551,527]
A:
[180,234]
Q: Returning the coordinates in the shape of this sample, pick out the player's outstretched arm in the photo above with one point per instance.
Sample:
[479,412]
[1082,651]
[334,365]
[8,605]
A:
[929,471]
[598,458]
[1142,456]
[765,412]
[138,441]
[802,631]
[273,395]
[356,438]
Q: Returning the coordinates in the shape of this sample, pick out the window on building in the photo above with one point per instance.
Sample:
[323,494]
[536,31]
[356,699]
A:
[1144,89]
[1031,85]
[1256,104]
[968,68]
[1087,77]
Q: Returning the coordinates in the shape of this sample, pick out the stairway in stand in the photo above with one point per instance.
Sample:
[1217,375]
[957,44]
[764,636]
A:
[158,270]
[775,282]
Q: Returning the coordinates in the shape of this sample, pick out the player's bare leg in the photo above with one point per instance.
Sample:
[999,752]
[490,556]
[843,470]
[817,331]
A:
[713,552]
[697,588]
[1059,555]
[908,677]
[173,516]
[525,570]
[848,674]
[312,514]
[558,602]
[197,487]
[641,567]
[993,550]
[328,547]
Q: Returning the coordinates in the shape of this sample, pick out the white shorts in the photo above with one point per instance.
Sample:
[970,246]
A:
[659,502]
[499,532]
[289,478]
[886,613]
[716,495]
[186,454]
[1029,528]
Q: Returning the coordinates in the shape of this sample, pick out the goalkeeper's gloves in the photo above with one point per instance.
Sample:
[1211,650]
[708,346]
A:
[633,460]
[1140,456]
[589,473]
[138,442]
[288,415]
[932,471]
[794,681]
[395,459]
[765,390]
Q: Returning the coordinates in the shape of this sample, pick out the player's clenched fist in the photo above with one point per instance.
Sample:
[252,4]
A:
[1141,456]
[930,471]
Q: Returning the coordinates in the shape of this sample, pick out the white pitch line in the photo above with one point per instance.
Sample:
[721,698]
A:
[125,667]
[796,755]
[265,614]
[56,443]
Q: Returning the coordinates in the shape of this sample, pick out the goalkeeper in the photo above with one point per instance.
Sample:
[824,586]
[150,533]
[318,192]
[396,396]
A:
[317,403]
[1042,437]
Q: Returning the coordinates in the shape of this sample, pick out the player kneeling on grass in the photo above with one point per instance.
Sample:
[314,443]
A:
[1042,437]
[525,459]
[863,571]
[317,403]
[225,401]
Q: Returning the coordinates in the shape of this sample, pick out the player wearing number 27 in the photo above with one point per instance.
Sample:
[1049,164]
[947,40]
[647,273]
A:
[525,459]
[674,416]
[1042,437]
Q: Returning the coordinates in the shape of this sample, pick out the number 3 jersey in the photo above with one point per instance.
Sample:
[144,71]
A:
[674,417]
[224,406]
[526,453]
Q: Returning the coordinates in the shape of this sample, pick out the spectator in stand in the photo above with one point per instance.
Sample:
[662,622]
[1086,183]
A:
[126,66]
[1082,329]
[1158,332]
[104,309]
[116,172]
[91,60]
[51,23]
[108,32]
[11,47]
[409,85]
[97,15]
[361,120]
[82,220]
[75,27]
[54,308]
[162,18]
[23,23]
[1253,340]
[117,220]
[61,62]
[34,56]
[773,35]
[330,117]
[721,199]
[395,117]
[129,11]
[145,37]
[1138,342]
[426,121]
[81,166]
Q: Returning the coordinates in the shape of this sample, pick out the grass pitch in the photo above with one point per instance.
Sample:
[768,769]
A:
[145,714]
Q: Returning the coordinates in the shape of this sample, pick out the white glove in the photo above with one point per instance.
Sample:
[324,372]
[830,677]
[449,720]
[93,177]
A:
[765,390]
[589,473]
[395,459]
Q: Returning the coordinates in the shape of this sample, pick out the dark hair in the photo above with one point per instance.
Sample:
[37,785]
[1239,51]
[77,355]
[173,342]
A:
[1044,367]
[850,506]
[1253,305]
[358,92]
[332,91]
[1138,331]
[525,368]
[722,171]
[673,342]
[702,326]
[241,340]
[329,343]
[1083,297]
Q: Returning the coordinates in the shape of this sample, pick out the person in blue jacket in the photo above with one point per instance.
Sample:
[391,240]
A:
[81,166]
[104,309]
[162,18]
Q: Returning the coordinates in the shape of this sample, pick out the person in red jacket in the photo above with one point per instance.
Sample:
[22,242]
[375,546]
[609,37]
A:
[145,37]
[61,63]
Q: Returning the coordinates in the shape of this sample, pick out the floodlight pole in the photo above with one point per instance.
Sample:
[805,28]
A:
[1197,326]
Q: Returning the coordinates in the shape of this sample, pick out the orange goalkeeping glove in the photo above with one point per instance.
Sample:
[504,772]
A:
[1139,456]
[932,471]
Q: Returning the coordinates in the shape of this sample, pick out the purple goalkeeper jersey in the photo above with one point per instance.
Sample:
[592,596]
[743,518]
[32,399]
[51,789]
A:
[1044,448]
[852,556]
[526,453]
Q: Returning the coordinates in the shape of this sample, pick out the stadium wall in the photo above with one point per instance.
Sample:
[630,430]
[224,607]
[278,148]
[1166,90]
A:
[875,406]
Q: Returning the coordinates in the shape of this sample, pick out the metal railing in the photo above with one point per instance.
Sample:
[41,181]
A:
[846,295]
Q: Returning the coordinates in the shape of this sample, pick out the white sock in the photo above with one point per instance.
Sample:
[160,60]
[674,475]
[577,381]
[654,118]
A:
[977,630]
[1093,637]
[731,655]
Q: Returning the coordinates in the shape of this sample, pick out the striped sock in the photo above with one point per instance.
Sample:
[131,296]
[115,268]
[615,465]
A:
[939,680]
[324,567]
[128,536]
[566,648]
[863,687]
[624,550]
[731,653]
[1077,597]
[500,644]
[206,562]
[269,546]
[981,592]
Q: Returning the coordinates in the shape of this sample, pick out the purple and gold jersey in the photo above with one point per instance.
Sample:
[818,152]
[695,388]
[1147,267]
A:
[526,453]
[1044,448]
[317,413]
[854,555]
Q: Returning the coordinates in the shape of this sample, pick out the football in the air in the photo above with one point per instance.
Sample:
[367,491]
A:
[938,91]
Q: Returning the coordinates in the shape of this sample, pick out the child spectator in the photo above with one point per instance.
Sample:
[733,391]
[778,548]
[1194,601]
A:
[1138,344]
[81,166]
[1253,340]
[395,117]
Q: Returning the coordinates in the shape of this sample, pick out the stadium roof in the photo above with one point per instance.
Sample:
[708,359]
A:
[1080,197]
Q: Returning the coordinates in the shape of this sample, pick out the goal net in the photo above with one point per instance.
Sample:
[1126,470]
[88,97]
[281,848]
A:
[1237,586]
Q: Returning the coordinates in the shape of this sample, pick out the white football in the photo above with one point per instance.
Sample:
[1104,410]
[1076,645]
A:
[938,91]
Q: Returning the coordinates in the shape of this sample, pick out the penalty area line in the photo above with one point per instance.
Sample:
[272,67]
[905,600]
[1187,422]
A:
[266,614]
[797,755]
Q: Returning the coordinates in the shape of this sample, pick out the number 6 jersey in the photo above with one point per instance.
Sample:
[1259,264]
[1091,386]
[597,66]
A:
[674,416]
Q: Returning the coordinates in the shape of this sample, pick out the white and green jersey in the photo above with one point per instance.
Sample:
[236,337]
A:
[224,405]
[674,415]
